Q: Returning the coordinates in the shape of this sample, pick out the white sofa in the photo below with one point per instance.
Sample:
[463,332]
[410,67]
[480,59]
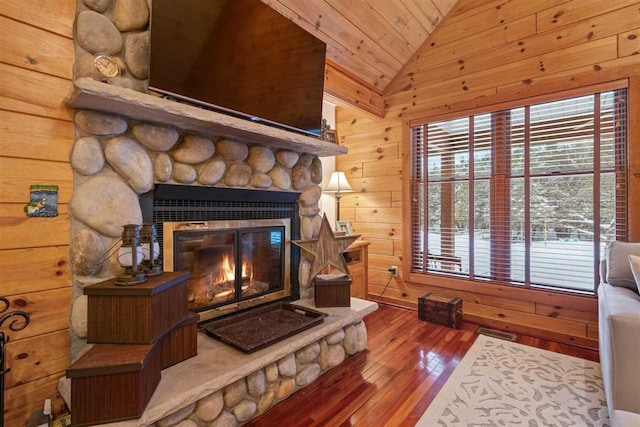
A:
[619,335]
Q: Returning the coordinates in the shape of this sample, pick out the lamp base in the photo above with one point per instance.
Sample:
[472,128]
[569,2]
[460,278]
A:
[131,279]
[152,271]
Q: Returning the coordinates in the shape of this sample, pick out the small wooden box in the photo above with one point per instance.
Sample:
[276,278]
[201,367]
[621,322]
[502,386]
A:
[138,314]
[332,290]
[113,382]
[441,310]
[181,342]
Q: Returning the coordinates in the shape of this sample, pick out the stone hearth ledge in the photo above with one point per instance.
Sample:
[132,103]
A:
[218,365]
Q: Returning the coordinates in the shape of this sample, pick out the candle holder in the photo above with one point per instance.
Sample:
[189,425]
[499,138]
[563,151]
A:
[19,321]
[130,256]
[150,249]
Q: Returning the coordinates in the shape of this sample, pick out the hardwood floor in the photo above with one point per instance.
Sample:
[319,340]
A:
[393,382]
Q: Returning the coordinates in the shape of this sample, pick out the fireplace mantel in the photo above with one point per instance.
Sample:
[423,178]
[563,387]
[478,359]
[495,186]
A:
[94,95]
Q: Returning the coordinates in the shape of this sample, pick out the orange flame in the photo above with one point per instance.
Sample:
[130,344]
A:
[228,270]
[247,271]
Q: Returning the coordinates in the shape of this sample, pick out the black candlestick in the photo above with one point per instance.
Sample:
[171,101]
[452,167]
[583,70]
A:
[21,320]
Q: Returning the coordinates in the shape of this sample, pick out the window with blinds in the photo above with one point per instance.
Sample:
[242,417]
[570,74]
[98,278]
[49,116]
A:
[527,196]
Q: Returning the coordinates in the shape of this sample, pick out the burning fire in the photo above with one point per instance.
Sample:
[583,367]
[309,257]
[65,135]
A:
[246,266]
[228,271]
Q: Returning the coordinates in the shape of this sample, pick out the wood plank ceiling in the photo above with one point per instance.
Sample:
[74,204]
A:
[369,40]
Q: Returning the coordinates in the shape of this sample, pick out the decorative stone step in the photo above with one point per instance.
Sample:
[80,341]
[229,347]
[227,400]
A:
[251,383]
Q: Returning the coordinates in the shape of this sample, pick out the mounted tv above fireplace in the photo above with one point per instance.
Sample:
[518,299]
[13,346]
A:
[240,57]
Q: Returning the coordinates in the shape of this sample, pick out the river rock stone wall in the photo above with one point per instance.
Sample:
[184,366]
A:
[253,395]
[115,159]
[120,29]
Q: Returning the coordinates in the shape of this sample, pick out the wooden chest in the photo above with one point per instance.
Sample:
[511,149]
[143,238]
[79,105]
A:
[137,314]
[114,382]
[181,342]
[332,290]
[441,310]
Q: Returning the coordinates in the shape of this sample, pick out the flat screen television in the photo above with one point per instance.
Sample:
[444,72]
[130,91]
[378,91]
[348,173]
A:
[240,57]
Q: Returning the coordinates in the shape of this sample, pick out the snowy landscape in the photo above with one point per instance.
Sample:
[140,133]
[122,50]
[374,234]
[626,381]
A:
[564,263]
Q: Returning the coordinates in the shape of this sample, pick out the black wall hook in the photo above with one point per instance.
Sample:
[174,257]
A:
[19,321]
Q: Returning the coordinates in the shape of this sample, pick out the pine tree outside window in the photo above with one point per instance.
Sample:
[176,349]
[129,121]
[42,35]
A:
[527,196]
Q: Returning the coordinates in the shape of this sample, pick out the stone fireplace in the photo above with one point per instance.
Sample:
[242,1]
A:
[119,163]
[133,153]
[124,169]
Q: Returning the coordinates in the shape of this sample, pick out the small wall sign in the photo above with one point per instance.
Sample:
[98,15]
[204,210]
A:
[43,201]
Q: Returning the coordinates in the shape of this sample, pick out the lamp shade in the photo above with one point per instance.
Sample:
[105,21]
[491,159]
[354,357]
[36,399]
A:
[146,250]
[338,184]
[125,256]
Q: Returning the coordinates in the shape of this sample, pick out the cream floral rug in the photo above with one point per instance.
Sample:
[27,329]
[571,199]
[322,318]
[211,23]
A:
[500,383]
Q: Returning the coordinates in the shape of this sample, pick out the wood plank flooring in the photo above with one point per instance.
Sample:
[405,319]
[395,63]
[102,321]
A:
[393,382]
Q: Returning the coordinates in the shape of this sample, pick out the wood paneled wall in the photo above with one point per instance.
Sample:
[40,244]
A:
[36,134]
[368,39]
[487,52]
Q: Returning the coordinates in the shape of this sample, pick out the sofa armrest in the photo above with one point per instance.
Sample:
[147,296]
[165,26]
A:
[619,327]
[625,419]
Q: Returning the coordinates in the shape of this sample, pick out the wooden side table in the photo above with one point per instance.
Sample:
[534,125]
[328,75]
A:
[357,258]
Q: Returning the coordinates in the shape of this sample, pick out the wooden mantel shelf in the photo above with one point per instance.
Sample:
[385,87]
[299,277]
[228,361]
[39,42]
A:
[95,95]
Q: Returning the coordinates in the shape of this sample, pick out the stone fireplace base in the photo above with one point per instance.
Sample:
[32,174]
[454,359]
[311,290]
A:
[224,387]
[127,143]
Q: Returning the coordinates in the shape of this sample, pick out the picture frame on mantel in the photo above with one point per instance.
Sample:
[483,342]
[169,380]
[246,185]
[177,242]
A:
[330,135]
[344,227]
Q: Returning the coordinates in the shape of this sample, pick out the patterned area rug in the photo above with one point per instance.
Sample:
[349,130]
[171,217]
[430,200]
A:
[500,383]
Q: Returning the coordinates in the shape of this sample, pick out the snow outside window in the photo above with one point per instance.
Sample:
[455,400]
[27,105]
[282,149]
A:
[526,196]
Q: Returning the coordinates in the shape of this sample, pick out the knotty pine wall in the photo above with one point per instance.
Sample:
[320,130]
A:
[36,133]
[487,52]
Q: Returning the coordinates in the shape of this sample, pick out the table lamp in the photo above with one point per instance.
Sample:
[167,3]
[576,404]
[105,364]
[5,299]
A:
[338,184]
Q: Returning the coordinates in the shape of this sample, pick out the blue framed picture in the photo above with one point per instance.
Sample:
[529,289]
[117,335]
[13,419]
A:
[43,201]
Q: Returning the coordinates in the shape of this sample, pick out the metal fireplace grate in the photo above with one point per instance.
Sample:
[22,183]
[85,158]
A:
[204,210]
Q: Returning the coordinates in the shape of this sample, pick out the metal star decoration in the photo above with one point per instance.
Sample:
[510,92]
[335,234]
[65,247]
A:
[326,250]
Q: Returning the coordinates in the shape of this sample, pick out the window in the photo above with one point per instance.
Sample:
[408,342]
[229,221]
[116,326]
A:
[527,196]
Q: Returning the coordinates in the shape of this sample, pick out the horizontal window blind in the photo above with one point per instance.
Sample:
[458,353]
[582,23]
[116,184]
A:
[528,195]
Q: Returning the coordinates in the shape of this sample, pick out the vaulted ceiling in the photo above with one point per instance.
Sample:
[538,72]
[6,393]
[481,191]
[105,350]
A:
[368,40]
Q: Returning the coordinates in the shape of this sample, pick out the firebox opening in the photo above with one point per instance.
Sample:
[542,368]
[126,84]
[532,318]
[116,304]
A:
[261,251]
[230,265]
[210,258]
[233,264]
[200,206]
